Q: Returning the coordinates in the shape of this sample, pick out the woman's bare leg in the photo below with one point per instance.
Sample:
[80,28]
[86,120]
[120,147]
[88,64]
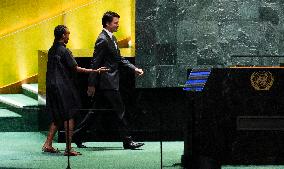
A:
[52,130]
[69,132]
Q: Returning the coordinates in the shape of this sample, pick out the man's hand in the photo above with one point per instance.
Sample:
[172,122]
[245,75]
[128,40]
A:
[91,91]
[139,72]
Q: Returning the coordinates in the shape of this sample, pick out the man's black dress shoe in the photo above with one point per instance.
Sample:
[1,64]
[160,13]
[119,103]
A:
[132,145]
[80,145]
[128,143]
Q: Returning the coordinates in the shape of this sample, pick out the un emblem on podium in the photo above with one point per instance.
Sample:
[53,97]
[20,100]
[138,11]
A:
[261,80]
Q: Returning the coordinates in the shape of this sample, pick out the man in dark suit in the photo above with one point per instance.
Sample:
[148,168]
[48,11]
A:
[107,54]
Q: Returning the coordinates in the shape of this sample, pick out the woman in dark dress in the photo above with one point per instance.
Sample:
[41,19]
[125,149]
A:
[62,98]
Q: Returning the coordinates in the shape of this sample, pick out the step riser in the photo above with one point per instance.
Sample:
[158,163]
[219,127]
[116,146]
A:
[17,125]
[30,94]
[28,122]
[3,106]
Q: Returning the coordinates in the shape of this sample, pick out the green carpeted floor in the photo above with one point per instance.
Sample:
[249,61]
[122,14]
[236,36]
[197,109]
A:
[23,150]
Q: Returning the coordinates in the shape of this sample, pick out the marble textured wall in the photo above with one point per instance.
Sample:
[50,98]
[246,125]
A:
[174,35]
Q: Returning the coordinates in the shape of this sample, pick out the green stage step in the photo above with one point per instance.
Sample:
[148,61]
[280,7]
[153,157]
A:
[17,100]
[19,113]
[20,120]
[5,113]
[41,100]
[30,90]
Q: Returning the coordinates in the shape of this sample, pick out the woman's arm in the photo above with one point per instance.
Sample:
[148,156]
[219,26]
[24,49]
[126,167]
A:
[84,70]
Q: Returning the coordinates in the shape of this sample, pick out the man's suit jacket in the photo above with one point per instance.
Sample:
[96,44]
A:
[106,54]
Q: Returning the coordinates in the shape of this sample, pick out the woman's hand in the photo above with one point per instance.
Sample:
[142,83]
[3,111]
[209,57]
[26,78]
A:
[101,70]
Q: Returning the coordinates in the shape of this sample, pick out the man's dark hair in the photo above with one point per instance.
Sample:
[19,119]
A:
[59,31]
[108,17]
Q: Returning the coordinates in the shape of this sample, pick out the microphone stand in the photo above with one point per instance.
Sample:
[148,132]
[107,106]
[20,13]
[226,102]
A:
[68,149]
